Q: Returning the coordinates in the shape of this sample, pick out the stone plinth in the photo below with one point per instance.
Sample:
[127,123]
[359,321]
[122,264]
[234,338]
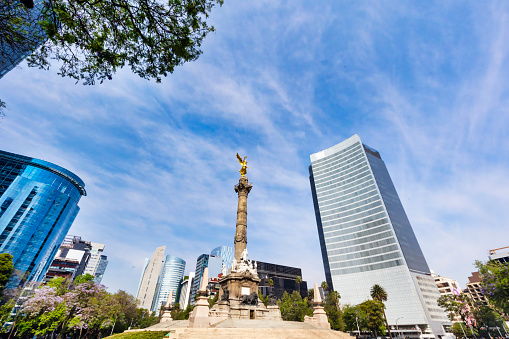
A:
[199,318]
[200,315]
[274,313]
[319,317]
[166,316]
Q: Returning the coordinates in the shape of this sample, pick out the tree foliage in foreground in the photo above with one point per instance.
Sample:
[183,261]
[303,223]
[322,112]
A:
[378,293]
[460,329]
[367,316]
[92,39]
[374,316]
[333,311]
[495,283]
[83,309]
[293,307]
[6,266]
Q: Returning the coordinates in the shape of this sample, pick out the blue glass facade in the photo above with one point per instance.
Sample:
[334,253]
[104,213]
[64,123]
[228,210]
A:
[13,49]
[366,238]
[169,280]
[214,264]
[38,204]
[226,253]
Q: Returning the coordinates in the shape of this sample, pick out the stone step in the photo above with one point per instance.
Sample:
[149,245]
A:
[257,333]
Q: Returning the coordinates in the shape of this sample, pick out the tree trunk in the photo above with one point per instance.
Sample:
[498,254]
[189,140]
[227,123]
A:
[387,324]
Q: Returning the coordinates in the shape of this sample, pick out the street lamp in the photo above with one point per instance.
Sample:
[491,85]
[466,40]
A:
[397,329]
[357,321]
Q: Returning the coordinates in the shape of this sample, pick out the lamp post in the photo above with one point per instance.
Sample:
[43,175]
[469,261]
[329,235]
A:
[461,325]
[357,321]
[397,328]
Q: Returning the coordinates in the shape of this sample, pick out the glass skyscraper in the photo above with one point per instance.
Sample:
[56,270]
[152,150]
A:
[226,253]
[38,204]
[214,263]
[169,280]
[366,237]
[14,47]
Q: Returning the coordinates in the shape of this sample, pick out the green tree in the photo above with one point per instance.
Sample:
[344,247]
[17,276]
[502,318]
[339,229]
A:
[373,309]
[354,318]
[495,283]
[6,268]
[298,280]
[459,330]
[486,317]
[5,314]
[378,293]
[80,279]
[456,305]
[311,295]
[334,312]
[212,300]
[293,307]
[324,285]
[91,40]
[265,300]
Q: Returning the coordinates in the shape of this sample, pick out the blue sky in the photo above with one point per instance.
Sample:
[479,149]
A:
[424,83]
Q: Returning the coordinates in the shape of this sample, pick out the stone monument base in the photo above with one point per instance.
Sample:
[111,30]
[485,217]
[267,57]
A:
[239,299]
[234,309]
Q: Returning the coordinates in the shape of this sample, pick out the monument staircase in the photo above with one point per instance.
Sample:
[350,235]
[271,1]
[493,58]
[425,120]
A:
[252,329]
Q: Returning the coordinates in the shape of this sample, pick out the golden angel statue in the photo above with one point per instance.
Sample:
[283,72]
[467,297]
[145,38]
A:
[244,168]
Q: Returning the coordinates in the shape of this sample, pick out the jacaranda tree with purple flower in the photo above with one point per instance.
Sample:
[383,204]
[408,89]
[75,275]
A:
[495,284]
[80,309]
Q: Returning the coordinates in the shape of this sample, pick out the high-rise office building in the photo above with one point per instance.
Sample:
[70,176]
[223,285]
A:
[474,289]
[283,277]
[16,46]
[150,278]
[214,263]
[185,291]
[38,204]
[169,280]
[71,259]
[366,237]
[85,253]
[448,286]
[500,255]
[226,253]
[97,263]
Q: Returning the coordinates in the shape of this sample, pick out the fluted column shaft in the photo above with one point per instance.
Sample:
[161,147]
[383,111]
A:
[240,241]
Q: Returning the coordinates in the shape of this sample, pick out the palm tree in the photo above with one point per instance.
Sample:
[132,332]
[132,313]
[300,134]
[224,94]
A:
[298,280]
[378,293]
[324,286]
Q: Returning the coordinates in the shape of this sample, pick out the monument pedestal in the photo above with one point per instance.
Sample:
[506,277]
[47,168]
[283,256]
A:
[239,296]
[200,315]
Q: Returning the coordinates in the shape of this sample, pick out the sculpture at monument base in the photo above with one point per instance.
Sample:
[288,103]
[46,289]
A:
[319,317]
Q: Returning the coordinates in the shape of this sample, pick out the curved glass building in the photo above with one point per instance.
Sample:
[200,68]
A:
[38,204]
[169,280]
[226,253]
[366,237]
